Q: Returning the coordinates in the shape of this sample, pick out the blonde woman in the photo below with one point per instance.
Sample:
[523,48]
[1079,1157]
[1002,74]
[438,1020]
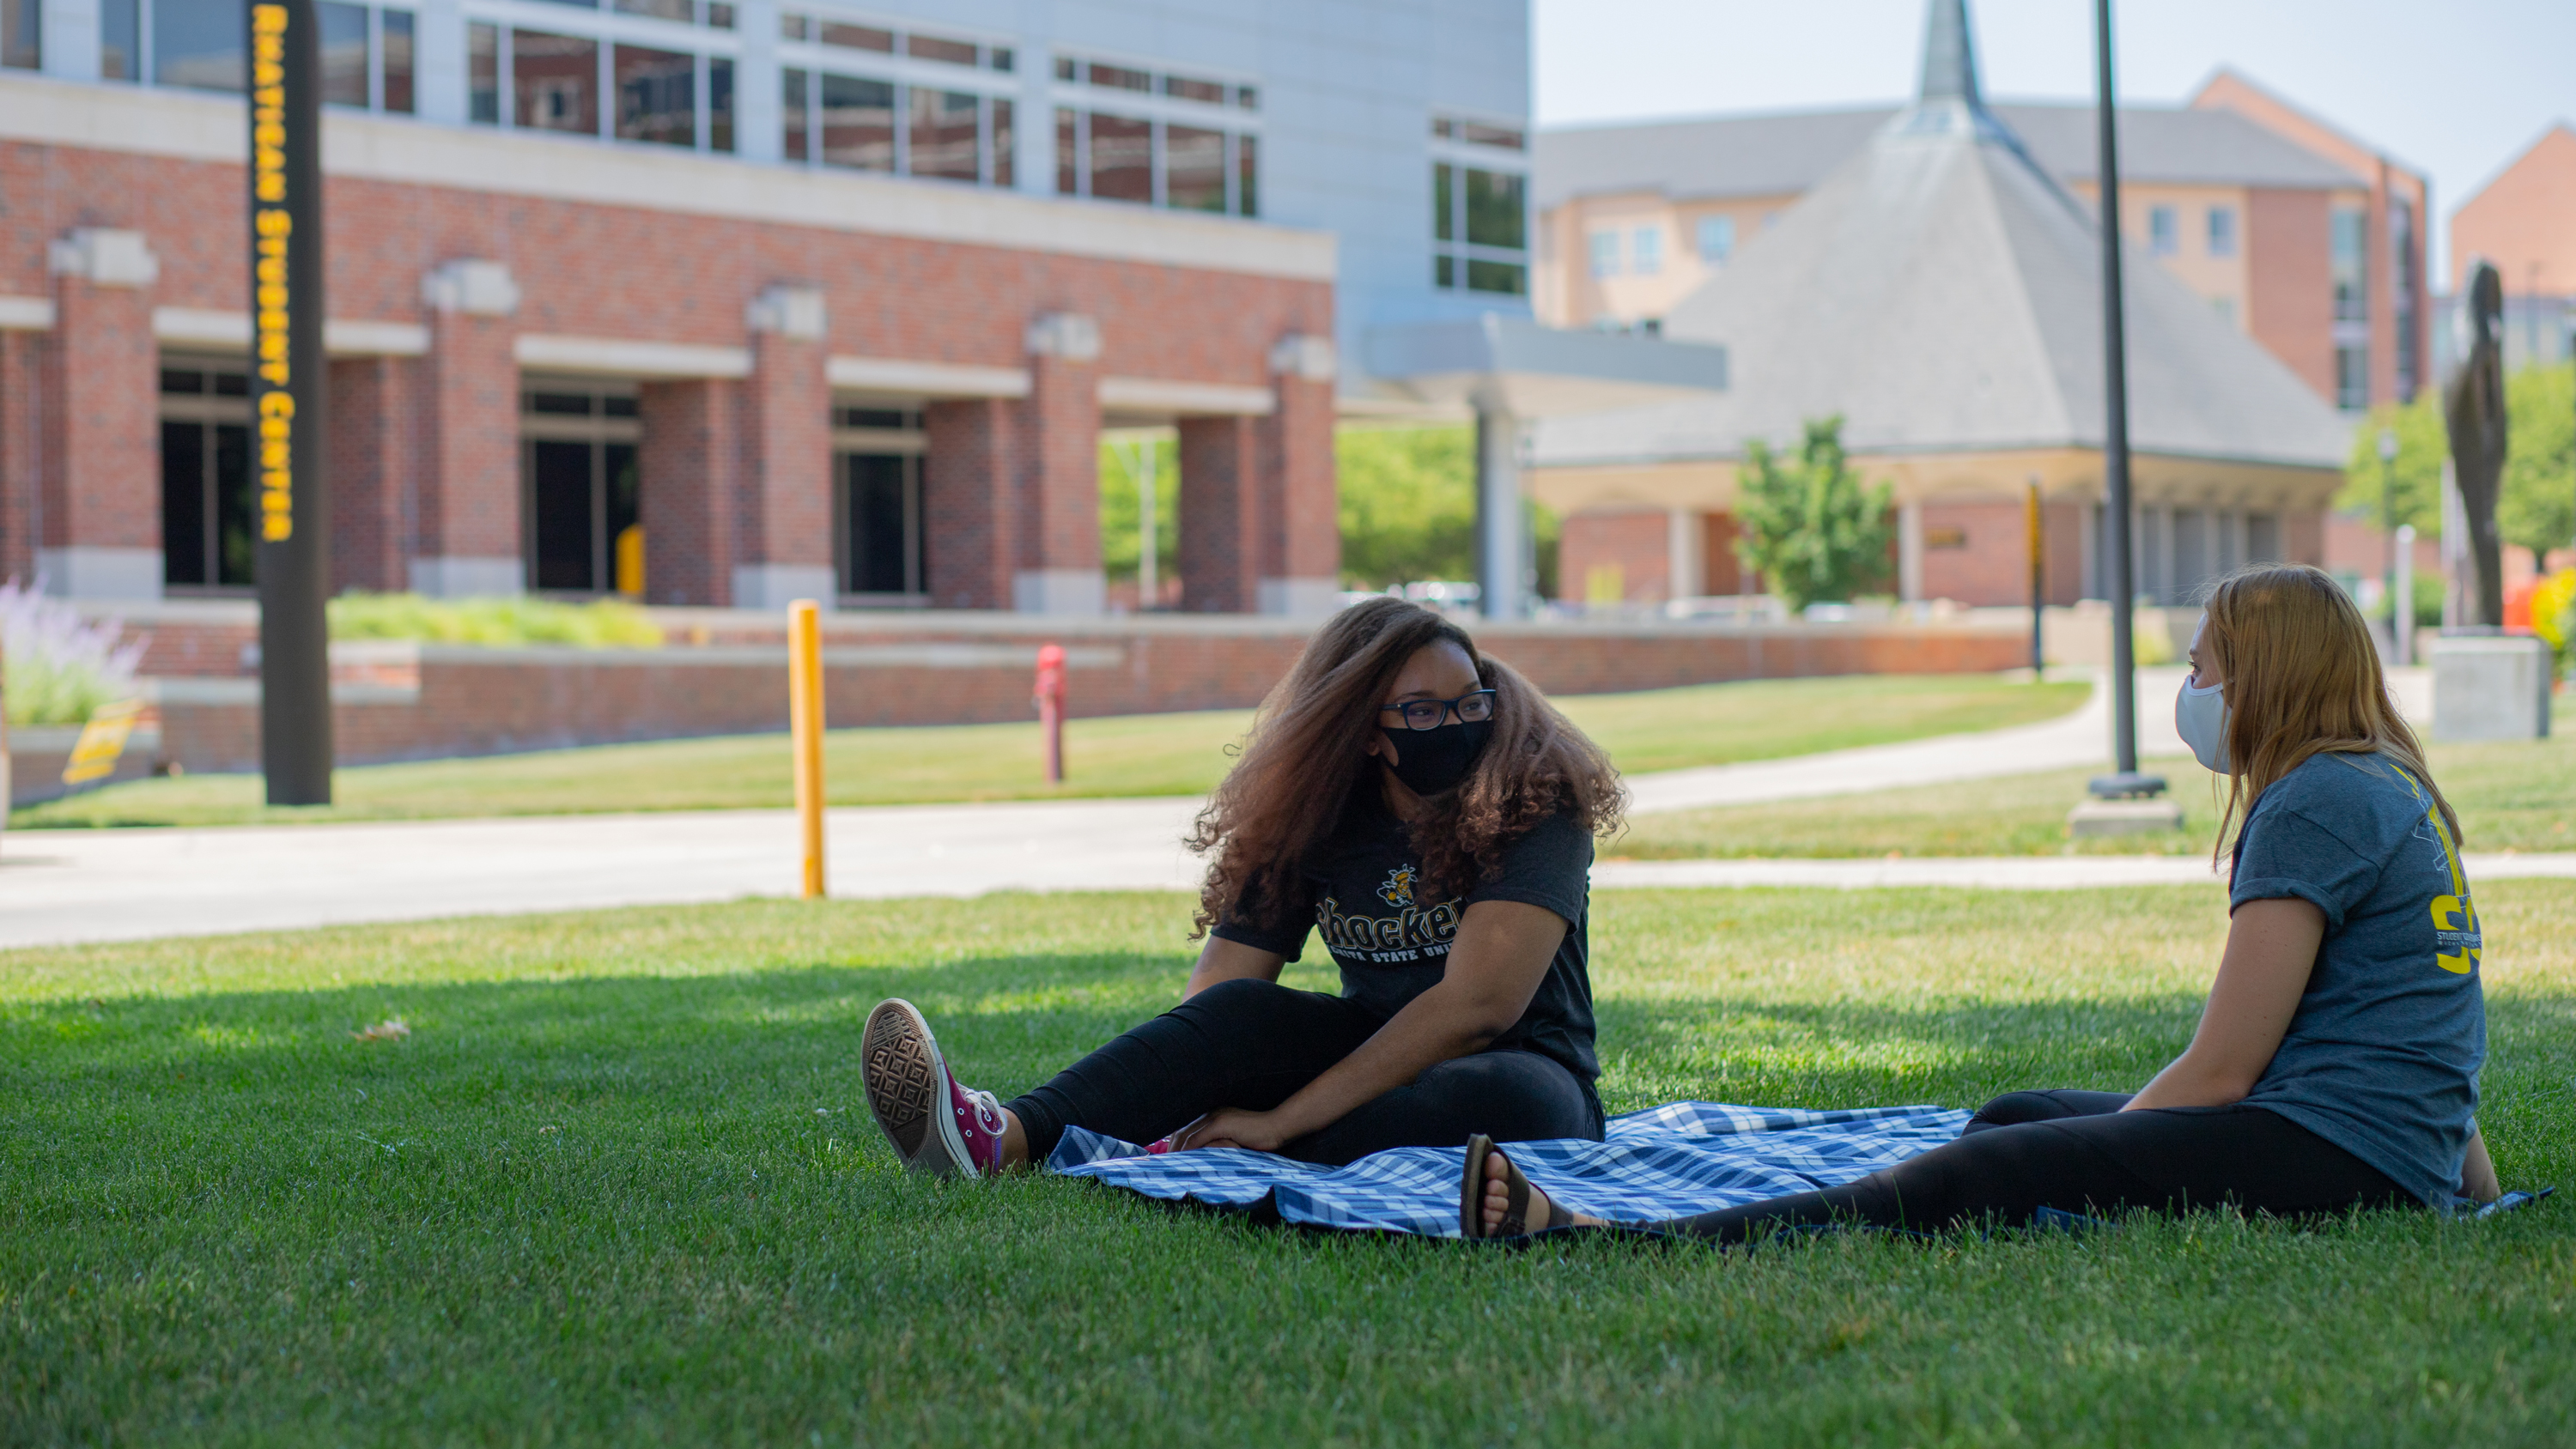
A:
[2336,1064]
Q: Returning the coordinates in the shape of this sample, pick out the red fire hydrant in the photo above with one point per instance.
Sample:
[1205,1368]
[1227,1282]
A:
[1050,697]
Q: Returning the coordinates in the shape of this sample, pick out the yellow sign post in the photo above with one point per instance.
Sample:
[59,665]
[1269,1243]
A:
[805,730]
[102,742]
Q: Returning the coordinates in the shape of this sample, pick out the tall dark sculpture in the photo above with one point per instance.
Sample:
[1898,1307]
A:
[2473,405]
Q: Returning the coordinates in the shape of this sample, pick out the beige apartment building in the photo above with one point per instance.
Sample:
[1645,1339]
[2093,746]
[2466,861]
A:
[2304,239]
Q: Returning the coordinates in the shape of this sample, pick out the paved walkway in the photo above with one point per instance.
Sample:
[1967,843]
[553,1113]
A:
[60,886]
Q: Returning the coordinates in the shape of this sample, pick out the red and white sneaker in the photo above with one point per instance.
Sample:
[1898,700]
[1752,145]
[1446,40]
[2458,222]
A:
[936,1126]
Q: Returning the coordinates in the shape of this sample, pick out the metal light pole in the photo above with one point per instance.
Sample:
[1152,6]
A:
[2115,443]
[2388,519]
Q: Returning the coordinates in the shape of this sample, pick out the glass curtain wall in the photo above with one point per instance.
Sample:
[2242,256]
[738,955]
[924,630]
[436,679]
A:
[1480,209]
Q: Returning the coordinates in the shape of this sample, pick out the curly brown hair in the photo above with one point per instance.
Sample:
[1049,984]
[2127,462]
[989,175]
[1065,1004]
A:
[1304,756]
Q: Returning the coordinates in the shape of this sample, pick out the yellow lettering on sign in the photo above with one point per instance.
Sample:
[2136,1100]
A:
[267,19]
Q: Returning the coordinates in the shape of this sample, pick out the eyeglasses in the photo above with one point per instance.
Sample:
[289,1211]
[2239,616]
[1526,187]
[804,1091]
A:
[1428,714]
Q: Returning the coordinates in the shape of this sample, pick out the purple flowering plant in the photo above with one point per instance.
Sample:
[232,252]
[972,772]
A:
[55,667]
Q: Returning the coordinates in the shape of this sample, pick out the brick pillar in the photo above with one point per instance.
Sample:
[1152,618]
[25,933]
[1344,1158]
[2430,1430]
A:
[970,489]
[1301,562]
[371,460]
[467,539]
[690,482]
[22,357]
[785,548]
[1221,526]
[101,493]
[1058,568]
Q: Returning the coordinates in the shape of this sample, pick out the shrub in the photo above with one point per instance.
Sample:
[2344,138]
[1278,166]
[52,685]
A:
[55,669]
[1813,530]
[606,624]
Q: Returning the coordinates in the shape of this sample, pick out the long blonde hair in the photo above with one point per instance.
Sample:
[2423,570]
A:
[2302,679]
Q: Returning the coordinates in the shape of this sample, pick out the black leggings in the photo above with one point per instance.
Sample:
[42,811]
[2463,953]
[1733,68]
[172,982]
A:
[1251,1044]
[2077,1152]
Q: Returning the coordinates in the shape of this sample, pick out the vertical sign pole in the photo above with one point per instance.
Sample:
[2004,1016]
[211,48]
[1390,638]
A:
[2115,439]
[287,403]
[2038,579]
[805,731]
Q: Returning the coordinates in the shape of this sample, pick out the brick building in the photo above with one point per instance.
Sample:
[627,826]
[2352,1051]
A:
[1939,289]
[724,302]
[2524,221]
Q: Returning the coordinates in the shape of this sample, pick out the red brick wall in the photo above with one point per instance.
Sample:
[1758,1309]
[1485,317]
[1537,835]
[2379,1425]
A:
[1061,510]
[787,452]
[2289,287]
[1721,572]
[469,480]
[970,497]
[689,471]
[373,449]
[1298,454]
[102,440]
[22,363]
[1220,523]
[1631,539]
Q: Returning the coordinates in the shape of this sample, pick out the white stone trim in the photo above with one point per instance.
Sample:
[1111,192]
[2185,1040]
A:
[465,576]
[85,571]
[1292,598]
[775,586]
[26,314]
[924,379]
[1071,593]
[787,311]
[1069,336]
[1185,399]
[348,337]
[1304,355]
[473,286]
[105,257]
[155,122]
[621,357]
[341,337]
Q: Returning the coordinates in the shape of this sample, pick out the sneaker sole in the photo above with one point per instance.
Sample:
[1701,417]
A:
[907,1086]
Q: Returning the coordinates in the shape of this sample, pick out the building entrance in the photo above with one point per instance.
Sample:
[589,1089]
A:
[878,456]
[582,505]
[207,524]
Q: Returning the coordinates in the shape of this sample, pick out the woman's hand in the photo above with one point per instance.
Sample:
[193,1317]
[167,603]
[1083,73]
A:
[1234,1127]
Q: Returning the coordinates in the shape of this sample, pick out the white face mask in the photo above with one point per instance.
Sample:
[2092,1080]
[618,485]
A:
[2200,715]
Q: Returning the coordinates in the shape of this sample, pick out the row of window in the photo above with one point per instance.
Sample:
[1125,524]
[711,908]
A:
[555,82]
[2218,233]
[1611,251]
[947,50]
[1147,82]
[1156,163]
[714,14]
[1479,229]
[876,125]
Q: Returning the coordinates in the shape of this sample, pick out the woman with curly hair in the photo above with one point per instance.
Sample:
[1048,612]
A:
[1432,814]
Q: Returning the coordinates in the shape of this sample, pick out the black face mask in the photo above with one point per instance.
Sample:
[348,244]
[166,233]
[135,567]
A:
[1435,760]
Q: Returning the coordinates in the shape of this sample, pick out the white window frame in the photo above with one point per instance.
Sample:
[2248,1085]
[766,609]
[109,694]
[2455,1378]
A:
[1603,247]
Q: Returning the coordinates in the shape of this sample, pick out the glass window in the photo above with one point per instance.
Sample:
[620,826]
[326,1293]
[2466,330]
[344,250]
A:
[1193,168]
[1248,97]
[22,32]
[483,73]
[858,123]
[657,96]
[719,103]
[1509,278]
[344,54]
[2164,231]
[2222,231]
[1194,90]
[554,82]
[1122,158]
[1494,213]
[931,47]
[1444,215]
[943,135]
[2350,263]
[1068,152]
[1604,247]
[2352,377]
[120,40]
[792,26]
[791,105]
[719,15]
[1005,145]
[659,9]
[1716,239]
[1001,57]
[1066,68]
[884,508]
[1121,78]
[1648,248]
[396,27]
[198,44]
[1476,134]
[1247,175]
[1444,271]
[857,37]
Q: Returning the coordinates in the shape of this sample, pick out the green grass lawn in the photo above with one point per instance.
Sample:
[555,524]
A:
[618,1185]
[1170,754]
[2510,797]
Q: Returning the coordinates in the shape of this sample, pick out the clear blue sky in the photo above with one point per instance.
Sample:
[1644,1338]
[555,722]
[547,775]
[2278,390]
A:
[2454,87]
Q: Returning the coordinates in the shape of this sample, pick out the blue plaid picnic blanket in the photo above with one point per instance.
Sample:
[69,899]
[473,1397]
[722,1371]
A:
[1665,1162]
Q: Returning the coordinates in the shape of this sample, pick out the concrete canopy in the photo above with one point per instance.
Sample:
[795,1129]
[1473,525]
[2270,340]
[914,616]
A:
[1941,293]
[1512,365]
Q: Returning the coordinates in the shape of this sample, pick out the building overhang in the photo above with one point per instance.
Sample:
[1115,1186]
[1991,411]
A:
[1511,365]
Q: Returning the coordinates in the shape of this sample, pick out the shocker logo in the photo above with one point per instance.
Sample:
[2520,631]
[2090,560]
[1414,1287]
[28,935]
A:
[1398,890]
[2457,940]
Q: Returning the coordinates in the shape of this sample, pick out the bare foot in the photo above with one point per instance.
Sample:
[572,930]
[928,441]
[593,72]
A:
[1541,1213]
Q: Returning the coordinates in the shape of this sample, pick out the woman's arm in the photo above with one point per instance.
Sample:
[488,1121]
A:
[1501,953]
[1229,961]
[2271,949]
[2477,1170]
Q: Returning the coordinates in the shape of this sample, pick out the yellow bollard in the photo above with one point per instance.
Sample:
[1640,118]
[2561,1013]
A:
[805,730]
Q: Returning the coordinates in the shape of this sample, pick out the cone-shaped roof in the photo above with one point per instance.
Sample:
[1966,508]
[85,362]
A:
[1942,293]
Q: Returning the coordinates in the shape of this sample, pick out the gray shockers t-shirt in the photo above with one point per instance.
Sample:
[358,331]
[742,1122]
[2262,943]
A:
[2382,1056]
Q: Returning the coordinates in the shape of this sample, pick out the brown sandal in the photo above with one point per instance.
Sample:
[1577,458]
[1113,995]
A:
[1471,1194]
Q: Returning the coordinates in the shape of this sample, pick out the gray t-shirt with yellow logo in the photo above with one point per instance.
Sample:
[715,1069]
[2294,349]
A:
[2382,1056]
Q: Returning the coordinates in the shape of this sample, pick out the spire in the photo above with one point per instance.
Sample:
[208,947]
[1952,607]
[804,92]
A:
[1949,58]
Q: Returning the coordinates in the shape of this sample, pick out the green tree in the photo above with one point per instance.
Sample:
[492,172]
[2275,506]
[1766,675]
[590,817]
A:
[2537,509]
[1408,506]
[1121,537]
[1813,529]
